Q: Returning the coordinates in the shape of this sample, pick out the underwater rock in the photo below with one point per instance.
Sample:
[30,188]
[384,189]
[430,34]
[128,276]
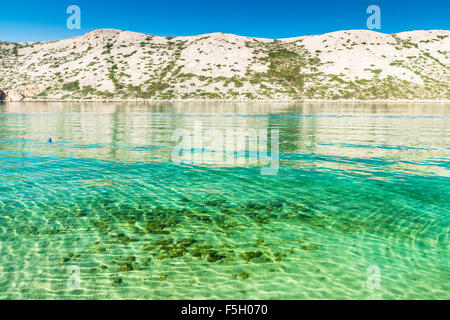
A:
[32,230]
[214,256]
[310,246]
[187,242]
[196,253]
[241,275]
[276,204]
[127,239]
[156,228]
[227,211]
[248,255]
[66,258]
[176,253]
[303,216]
[203,218]
[125,267]
[231,253]
[215,202]
[254,206]
[117,280]
[163,242]
[124,238]
[81,213]
[262,219]
[227,245]
[164,249]
[53,230]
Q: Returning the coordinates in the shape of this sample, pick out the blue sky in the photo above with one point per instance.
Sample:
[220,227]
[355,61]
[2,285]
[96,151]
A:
[34,20]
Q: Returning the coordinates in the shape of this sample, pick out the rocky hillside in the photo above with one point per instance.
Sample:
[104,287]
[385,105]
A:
[113,64]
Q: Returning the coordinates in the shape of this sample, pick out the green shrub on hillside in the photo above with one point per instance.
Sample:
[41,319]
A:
[71,86]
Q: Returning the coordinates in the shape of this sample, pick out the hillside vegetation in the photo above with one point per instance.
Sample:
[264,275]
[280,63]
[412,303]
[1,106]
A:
[114,64]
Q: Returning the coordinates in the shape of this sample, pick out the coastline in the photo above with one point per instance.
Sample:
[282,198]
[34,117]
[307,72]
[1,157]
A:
[240,100]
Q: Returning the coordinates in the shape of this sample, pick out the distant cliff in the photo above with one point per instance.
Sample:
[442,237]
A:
[112,64]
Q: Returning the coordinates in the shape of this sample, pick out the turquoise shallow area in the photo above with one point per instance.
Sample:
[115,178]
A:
[359,185]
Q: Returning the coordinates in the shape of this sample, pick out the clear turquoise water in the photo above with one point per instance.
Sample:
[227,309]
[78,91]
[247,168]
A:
[358,185]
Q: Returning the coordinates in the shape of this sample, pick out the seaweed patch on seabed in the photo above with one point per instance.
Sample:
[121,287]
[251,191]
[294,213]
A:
[155,227]
[174,233]
[212,230]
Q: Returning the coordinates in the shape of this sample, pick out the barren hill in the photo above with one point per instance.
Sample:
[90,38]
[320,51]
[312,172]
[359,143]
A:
[114,64]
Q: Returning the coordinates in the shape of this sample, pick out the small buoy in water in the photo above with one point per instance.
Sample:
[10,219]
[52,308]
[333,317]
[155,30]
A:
[49,140]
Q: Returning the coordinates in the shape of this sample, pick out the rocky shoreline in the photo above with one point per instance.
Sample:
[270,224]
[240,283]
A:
[11,96]
[14,96]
